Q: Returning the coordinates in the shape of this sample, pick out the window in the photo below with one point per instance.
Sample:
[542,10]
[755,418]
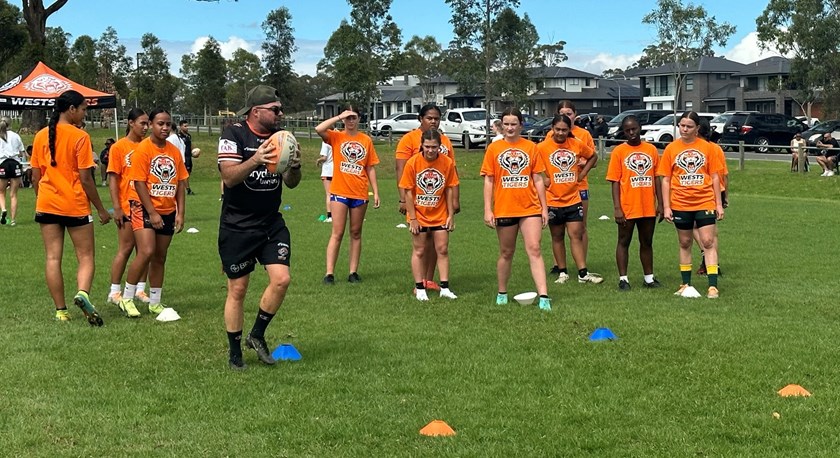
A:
[454,117]
[655,106]
[722,76]
[689,83]
[573,81]
[689,106]
[588,82]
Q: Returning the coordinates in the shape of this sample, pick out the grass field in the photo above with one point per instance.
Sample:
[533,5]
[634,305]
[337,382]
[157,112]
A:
[685,377]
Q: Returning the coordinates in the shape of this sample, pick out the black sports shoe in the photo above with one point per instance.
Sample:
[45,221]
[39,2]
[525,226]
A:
[654,284]
[237,364]
[623,285]
[354,278]
[329,279]
[3,217]
[258,345]
[555,270]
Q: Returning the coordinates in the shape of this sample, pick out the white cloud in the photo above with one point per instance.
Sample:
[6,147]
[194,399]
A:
[228,46]
[602,61]
[748,50]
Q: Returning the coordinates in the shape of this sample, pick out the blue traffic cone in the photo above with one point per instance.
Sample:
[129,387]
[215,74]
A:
[602,334]
[286,352]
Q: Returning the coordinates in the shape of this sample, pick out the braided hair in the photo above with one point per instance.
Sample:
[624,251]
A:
[4,126]
[63,103]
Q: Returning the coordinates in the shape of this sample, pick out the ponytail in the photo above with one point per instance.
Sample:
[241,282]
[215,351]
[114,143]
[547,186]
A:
[63,102]
[51,126]
[4,126]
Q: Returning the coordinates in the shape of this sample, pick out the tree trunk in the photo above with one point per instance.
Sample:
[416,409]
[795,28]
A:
[36,16]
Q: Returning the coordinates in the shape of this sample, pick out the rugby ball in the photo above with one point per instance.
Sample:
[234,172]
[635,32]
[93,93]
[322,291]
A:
[196,152]
[285,146]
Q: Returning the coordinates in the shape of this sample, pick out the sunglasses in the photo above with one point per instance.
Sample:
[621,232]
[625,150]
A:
[274,108]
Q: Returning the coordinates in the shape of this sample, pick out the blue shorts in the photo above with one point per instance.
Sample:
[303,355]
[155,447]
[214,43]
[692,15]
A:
[351,203]
[584,194]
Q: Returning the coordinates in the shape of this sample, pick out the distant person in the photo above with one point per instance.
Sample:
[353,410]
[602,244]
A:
[27,168]
[183,141]
[497,129]
[600,129]
[828,154]
[12,156]
[798,147]
[325,161]
[104,157]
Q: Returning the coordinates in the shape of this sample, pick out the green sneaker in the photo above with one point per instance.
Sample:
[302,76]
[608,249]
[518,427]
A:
[82,300]
[545,304]
[129,309]
[156,308]
[501,299]
[62,315]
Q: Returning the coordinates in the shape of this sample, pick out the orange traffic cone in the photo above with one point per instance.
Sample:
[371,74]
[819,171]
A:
[793,390]
[437,428]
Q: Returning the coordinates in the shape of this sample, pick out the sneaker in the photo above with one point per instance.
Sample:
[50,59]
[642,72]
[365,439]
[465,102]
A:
[713,293]
[555,271]
[354,278]
[420,295]
[328,220]
[829,173]
[82,300]
[445,292]
[114,298]
[142,296]
[591,278]
[501,299]
[432,285]
[562,278]
[258,345]
[62,315]
[329,279]
[824,174]
[190,192]
[155,309]
[128,308]
[3,217]
[623,285]
[654,284]
[681,289]
[237,364]
[12,223]
[545,304]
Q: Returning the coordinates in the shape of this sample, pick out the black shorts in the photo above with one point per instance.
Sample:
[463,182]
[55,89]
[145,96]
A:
[512,221]
[61,220]
[688,220]
[561,215]
[240,251]
[140,220]
[10,168]
[432,228]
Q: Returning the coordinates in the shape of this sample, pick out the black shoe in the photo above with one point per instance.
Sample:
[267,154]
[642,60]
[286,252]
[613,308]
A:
[623,285]
[190,192]
[555,270]
[329,279]
[258,345]
[654,284]
[354,278]
[3,217]
[237,364]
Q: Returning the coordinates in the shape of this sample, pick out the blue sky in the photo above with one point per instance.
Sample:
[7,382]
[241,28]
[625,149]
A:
[607,34]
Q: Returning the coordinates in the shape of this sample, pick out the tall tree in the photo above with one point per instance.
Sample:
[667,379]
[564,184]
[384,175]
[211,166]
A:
[57,52]
[35,13]
[278,47]
[515,50]
[205,76]
[422,56]
[155,85]
[807,30]
[113,65]
[12,38]
[243,73]
[552,55]
[83,66]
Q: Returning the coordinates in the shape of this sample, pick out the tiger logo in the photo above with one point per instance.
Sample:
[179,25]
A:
[445,151]
[563,159]
[353,151]
[430,181]
[639,163]
[514,161]
[163,168]
[690,160]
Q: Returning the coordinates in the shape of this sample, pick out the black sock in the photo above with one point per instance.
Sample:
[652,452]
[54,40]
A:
[61,308]
[564,270]
[420,285]
[234,340]
[329,214]
[502,292]
[263,318]
[444,284]
[582,272]
[544,296]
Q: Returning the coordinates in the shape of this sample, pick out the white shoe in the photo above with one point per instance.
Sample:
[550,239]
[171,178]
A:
[420,294]
[328,220]
[829,173]
[445,292]
[824,174]
[562,278]
[591,278]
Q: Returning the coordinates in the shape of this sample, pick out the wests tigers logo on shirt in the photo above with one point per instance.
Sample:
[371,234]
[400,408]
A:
[691,161]
[353,152]
[515,161]
[640,164]
[430,181]
[445,151]
[564,160]
[163,168]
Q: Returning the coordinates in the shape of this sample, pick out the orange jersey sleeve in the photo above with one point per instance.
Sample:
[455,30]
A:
[724,168]
[428,182]
[60,189]
[634,169]
[561,166]
[690,167]
[584,137]
[352,155]
[161,168]
[119,164]
[512,165]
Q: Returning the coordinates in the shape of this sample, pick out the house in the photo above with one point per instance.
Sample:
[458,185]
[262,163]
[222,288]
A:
[762,88]
[400,95]
[707,84]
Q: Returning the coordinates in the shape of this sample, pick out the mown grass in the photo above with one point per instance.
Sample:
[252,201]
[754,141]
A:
[685,377]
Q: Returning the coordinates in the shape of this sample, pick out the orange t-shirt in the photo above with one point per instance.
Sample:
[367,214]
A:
[161,169]
[428,181]
[690,167]
[634,169]
[352,155]
[60,190]
[512,165]
[119,164]
[411,143]
[561,165]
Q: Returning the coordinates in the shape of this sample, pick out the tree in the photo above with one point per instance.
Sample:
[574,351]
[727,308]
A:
[36,14]
[57,52]
[552,55]
[808,31]
[113,66]
[12,37]
[243,73]
[155,86]
[612,73]
[515,47]
[685,33]
[422,57]
[205,76]
[83,65]
[278,47]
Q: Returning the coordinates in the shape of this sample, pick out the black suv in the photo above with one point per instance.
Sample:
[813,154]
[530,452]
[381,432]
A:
[645,117]
[764,130]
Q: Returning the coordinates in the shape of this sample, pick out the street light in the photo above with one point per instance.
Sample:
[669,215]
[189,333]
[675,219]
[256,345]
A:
[613,79]
[140,55]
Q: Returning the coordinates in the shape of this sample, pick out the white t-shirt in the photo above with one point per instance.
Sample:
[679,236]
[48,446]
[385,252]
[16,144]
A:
[327,167]
[12,147]
[176,140]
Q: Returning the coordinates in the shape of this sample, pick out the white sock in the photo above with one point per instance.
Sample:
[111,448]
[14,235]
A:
[420,294]
[115,288]
[128,293]
[648,278]
[624,277]
[141,286]
[154,295]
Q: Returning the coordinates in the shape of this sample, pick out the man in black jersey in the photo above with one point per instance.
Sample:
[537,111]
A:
[251,229]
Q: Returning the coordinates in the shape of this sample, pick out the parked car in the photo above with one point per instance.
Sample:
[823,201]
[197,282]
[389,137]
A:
[762,129]
[664,131]
[465,125]
[813,134]
[720,121]
[538,130]
[645,117]
[810,122]
[398,123]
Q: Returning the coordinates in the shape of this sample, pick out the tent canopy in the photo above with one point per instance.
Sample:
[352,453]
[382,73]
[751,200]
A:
[38,88]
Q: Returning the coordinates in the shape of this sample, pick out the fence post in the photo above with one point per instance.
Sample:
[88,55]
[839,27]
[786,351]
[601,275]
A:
[803,157]
[741,155]
[602,151]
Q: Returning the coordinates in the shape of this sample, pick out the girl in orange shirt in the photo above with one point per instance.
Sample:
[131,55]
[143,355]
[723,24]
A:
[690,172]
[514,202]
[62,163]
[157,209]
[120,188]
[637,200]
[561,153]
[354,159]
[428,183]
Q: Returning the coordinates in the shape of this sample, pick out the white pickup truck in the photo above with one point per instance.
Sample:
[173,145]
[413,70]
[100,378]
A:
[465,125]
